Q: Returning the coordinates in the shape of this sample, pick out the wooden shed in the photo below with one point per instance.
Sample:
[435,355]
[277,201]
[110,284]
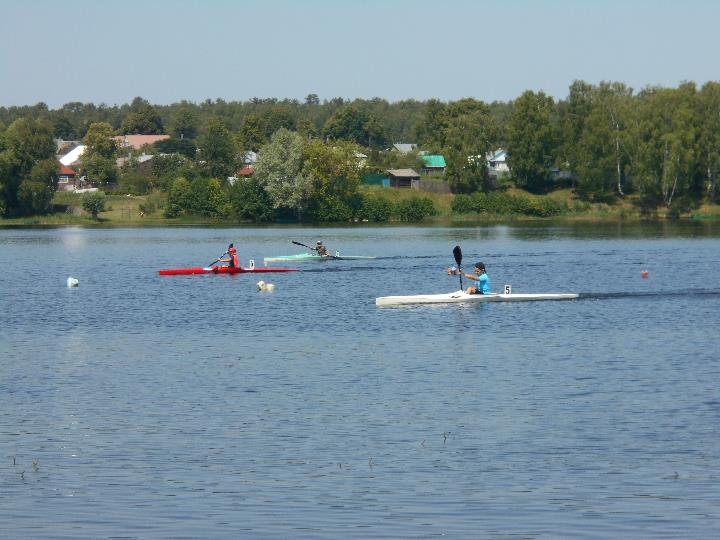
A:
[404,178]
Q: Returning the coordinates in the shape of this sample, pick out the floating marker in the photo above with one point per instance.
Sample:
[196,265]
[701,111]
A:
[72,282]
[265,287]
[644,274]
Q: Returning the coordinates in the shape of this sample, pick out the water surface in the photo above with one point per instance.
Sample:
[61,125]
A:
[140,406]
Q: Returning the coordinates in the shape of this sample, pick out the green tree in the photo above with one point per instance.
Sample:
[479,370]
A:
[354,124]
[28,171]
[218,201]
[531,141]
[665,133]
[708,107]
[179,198]
[429,131]
[249,201]
[252,133]
[143,118]
[572,115]
[184,122]
[99,141]
[279,170]
[99,170]
[98,159]
[94,202]
[217,150]
[334,167]
[602,150]
[468,138]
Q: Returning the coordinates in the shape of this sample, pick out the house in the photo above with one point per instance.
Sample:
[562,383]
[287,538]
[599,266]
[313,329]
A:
[73,156]
[249,158]
[361,159]
[404,178]
[136,142]
[66,178]
[433,163]
[245,172]
[404,148]
[497,162]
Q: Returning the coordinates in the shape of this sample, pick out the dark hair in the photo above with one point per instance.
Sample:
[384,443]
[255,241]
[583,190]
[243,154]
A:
[480,265]
[230,246]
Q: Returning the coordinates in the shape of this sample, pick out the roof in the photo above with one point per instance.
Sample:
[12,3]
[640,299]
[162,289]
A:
[403,173]
[246,171]
[139,159]
[73,155]
[433,161]
[138,141]
[498,155]
[404,148]
[64,169]
[250,157]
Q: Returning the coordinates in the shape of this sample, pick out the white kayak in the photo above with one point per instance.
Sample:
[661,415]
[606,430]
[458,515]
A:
[461,296]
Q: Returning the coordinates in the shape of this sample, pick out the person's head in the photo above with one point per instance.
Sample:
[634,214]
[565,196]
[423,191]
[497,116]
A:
[319,242]
[230,246]
[480,267]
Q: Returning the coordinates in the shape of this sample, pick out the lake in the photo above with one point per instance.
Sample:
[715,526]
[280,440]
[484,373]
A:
[147,406]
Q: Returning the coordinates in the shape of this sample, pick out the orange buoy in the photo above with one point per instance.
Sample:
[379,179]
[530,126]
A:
[644,274]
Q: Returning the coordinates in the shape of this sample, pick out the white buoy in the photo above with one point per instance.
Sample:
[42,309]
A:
[265,287]
[72,282]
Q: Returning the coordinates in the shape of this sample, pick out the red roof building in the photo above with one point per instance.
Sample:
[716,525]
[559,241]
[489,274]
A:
[66,178]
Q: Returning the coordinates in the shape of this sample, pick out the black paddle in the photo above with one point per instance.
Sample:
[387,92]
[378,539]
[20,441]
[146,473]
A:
[457,253]
[216,260]
[312,249]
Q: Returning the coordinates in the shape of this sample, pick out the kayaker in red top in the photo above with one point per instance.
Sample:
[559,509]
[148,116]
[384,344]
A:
[232,257]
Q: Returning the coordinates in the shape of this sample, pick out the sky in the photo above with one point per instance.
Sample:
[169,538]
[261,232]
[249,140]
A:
[166,51]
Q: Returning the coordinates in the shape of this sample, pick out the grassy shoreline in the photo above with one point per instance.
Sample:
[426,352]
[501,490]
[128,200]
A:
[124,210]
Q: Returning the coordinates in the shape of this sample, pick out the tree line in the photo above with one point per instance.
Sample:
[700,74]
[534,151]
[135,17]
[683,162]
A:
[659,145]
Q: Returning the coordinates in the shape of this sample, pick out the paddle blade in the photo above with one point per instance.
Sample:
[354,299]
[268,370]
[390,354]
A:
[457,253]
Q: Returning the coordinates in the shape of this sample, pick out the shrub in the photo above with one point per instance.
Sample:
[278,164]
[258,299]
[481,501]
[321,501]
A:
[415,209]
[329,208]
[462,204]
[178,201]
[94,202]
[375,209]
[501,203]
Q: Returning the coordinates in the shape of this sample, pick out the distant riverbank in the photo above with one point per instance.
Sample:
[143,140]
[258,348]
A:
[148,211]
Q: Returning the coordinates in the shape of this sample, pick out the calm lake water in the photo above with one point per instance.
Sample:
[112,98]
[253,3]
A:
[141,406]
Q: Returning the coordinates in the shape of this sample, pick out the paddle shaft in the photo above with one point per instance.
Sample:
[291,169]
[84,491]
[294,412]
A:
[216,260]
[457,253]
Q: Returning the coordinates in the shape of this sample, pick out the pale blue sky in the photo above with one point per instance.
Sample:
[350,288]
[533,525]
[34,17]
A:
[105,51]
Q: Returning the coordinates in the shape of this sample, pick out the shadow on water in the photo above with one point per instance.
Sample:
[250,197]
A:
[696,293]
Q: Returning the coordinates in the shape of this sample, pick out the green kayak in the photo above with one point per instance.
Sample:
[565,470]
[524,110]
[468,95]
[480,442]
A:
[300,257]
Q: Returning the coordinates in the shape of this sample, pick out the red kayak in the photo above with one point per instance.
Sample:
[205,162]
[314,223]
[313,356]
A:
[221,270]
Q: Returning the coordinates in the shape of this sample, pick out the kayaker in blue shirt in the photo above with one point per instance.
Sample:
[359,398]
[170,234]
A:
[483,281]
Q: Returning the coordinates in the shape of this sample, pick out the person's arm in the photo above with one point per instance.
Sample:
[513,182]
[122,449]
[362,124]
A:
[472,276]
